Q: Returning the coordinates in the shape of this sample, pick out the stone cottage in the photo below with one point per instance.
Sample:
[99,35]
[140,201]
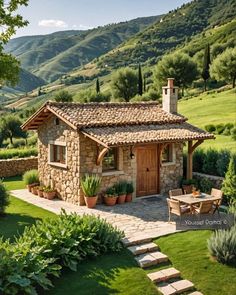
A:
[141,141]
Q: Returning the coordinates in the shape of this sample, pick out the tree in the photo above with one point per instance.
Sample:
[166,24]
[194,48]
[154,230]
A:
[206,65]
[224,66]
[140,81]
[63,96]
[178,66]
[9,21]
[97,86]
[229,183]
[10,126]
[124,84]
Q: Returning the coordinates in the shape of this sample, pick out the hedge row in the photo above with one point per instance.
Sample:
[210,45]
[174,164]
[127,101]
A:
[210,161]
[29,264]
[18,153]
[225,129]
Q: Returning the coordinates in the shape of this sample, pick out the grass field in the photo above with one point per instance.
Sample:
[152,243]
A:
[188,253]
[114,273]
[212,108]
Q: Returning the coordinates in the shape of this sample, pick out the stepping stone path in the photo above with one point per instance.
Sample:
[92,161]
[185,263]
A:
[167,280]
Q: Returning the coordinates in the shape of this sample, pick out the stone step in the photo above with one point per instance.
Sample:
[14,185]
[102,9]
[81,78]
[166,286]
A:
[177,287]
[137,240]
[196,293]
[150,259]
[182,286]
[164,275]
[143,248]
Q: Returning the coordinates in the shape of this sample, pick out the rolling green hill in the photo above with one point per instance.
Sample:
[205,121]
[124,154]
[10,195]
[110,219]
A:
[51,56]
[173,30]
[212,108]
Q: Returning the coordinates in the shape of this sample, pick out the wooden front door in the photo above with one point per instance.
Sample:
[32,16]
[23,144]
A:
[147,182]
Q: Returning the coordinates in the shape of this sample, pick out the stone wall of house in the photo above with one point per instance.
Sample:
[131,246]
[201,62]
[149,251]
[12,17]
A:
[64,179]
[13,167]
[89,151]
[171,173]
[215,180]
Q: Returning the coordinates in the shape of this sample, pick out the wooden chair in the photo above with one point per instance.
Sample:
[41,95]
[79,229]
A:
[204,208]
[188,189]
[217,193]
[175,192]
[176,208]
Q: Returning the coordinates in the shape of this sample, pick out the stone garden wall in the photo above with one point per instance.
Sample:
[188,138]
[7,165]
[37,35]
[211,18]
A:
[215,180]
[13,167]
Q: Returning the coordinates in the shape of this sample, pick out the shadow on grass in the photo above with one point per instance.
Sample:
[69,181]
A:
[107,274]
[13,224]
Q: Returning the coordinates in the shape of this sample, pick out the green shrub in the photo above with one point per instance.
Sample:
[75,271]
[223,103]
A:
[209,162]
[31,176]
[205,185]
[198,159]
[226,132]
[222,162]
[90,185]
[4,198]
[233,133]
[46,247]
[210,128]
[229,126]
[220,128]
[222,245]
[229,183]
[129,188]
[18,153]
[121,187]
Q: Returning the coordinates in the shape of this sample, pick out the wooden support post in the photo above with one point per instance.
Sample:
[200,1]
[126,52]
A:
[191,149]
[190,160]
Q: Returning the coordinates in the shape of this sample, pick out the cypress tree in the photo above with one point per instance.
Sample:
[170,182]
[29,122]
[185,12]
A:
[97,86]
[206,65]
[140,81]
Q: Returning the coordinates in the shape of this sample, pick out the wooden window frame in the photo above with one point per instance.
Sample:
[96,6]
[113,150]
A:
[171,155]
[58,154]
[116,161]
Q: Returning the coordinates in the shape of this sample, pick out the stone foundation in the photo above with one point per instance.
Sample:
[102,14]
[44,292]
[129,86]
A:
[13,167]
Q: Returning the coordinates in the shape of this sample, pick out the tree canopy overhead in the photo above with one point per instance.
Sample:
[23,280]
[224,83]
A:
[9,22]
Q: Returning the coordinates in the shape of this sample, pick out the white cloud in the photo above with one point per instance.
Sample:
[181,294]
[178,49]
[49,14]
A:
[52,23]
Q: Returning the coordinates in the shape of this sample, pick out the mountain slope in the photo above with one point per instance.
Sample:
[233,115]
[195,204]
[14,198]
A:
[51,56]
[173,30]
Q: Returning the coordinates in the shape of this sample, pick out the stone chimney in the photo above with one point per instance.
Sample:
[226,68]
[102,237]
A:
[170,97]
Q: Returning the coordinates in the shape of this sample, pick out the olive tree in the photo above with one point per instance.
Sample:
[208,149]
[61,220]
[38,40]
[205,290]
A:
[63,96]
[224,66]
[124,84]
[178,66]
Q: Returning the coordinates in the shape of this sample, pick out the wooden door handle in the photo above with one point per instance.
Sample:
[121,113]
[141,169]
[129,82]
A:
[147,170]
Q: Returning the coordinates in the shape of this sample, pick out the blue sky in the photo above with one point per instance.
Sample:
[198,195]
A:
[46,16]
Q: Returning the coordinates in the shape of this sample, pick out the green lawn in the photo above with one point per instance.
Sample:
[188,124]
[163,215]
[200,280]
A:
[188,253]
[107,274]
[213,108]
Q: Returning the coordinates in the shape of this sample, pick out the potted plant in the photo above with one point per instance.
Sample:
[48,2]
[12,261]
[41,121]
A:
[121,191]
[110,196]
[34,190]
[90,185]
[31,179]
[129,191]
[40,191]
[49,193]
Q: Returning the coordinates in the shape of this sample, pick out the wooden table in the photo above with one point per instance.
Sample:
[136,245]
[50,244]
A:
[190,200]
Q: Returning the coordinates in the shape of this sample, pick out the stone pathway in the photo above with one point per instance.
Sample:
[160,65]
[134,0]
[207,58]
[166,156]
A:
[142,218]
[168,280]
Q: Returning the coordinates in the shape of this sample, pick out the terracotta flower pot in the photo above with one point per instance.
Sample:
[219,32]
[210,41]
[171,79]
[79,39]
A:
[49,195]
[40,193]
[128,198]
[34,190]
[91,201]
[121,199]
[110,201]
[30,186]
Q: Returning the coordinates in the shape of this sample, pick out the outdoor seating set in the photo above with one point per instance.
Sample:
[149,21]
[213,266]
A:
[180,203]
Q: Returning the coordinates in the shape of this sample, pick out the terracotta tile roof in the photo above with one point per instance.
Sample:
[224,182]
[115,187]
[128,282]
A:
[120,135]
[113,114]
